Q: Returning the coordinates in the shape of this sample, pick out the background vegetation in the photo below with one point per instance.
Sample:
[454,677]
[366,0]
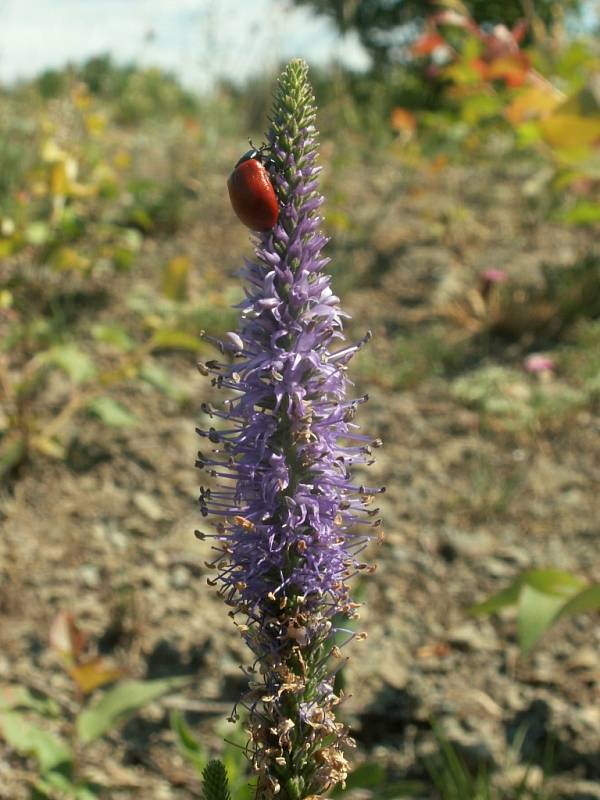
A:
[461,175]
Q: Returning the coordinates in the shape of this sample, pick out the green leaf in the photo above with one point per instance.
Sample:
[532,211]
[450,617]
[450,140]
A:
[12,451]
[554,581]
[48,446]
[366,776]
[528,133]
[568,132]
[49,750]
[156,376]
[584,212]
[480,106]
[214,782]
[113,335]
[56,781]
[132,239]
[37,233]
[537,611]
[234,760]
[171,339]
[586,600]
[119,703]
[14,696]
[507,597]
[175,275]
[187,743]
[77,364]
[111,412]
[539,595]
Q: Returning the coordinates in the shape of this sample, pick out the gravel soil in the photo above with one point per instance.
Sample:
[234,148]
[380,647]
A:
[470,503]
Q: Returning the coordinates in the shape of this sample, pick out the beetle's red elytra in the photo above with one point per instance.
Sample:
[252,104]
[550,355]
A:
[252,194]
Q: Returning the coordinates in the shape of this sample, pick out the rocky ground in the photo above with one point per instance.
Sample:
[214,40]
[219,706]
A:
[471,501]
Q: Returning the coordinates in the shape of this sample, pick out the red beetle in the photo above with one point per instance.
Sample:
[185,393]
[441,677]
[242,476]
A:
[251,192]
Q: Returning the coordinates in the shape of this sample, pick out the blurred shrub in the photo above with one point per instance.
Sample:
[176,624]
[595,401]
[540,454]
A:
[384,27]
[543,100]
[152,93]
[78,197]
[17,149]
[134,93]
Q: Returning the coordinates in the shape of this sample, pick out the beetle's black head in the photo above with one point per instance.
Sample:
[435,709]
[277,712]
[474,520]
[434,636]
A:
[259,153]
[249,154]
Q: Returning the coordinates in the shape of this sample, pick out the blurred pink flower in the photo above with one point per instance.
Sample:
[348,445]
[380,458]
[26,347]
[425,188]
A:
[489,278]
[494,275]
[537,363]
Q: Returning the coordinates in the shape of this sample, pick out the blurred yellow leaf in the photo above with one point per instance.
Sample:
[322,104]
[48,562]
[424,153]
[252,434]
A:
[48,447]
[84,190]
[67,258]
[337,220]
[38,188]
[533,103]
[571,132]
[170,339]
[6,298]
[51,152]
[62,175]
[59,181]
[95,123]
[122,159]
[92,674]
[174,283]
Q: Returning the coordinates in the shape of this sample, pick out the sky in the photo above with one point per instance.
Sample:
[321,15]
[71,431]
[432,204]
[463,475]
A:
[199,39]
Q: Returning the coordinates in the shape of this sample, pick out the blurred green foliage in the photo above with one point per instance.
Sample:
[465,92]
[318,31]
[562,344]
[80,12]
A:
[542,597]
[384,27]
[77,204]
[34,724]
[134,95]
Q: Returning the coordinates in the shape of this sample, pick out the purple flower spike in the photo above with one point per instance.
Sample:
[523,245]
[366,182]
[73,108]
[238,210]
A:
[290,521]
